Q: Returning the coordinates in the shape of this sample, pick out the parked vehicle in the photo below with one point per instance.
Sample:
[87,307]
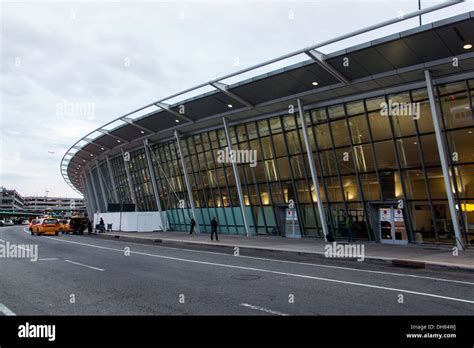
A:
[2,222]
[32,224]
[66,226]
[9,223]
[25,222]
[46,226]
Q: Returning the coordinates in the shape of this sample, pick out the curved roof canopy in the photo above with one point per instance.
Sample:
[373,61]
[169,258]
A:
[393,60]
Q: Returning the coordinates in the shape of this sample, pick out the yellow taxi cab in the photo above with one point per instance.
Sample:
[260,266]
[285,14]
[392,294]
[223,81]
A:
[66,226]
[32,223]
[46,226]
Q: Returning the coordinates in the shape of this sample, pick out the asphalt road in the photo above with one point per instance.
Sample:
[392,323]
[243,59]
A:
[82,275]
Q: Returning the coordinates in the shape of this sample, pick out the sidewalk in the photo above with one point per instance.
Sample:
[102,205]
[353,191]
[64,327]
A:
[411,255]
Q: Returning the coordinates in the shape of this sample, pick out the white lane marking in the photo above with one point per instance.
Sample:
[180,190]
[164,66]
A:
[273,272]
[307,264]
[5,310]
[81,264]
[21,247]
[310,264]
[48,259]
[1,240]
[263,309]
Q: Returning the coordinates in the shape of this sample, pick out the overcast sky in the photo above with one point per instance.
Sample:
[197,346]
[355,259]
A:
[112,58]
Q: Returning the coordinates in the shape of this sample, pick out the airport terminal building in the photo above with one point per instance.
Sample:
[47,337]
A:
[382,131]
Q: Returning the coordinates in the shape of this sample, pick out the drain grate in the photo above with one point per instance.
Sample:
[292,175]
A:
[245,277]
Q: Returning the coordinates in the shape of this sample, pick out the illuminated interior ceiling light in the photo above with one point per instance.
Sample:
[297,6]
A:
[142,132]
[102,148]
[177,121]
[315,83]
[118,141]
[91,155]
[467,46]
[230,106]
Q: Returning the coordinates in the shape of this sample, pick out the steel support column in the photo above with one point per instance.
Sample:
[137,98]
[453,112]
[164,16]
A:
[88,199]
[112,179]
[442,157]
[129,180]
[102,186]
[94,190]
[186,180]
[237,179]
[154,186]
[312,167]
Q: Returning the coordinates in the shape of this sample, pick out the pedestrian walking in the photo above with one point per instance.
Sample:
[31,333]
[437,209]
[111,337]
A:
[350,228]
[101,225]
[214,225]
[89,226]
[193,226]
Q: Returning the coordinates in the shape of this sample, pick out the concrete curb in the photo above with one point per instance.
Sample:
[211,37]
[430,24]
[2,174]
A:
[409,263]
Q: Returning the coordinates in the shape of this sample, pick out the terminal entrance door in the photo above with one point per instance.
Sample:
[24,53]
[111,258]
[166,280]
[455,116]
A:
[388,222]
[392,225]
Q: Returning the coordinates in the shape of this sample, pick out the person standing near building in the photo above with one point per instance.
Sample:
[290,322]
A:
[101,225]
[214,225]
[193,225]
[350,228]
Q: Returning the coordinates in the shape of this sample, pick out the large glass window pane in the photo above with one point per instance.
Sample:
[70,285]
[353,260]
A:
[275,125]
[385,155]
[425,120]
[303,192]
[279,143]
[289,122]
[355,108]
[380,126]
[430,150]
[336,111]
[370,187]
[328,162]
[465,180]
[293,142]
[284,168]
[252,130]
[345,159]
[297,165]
[263,128]
[457,111]
[319,115]
[359,129]
[374,103]
[364,158]
[436,181]
[408,152]
[451,88]
[334,190]
[415,184]
[267,148]
[323,137]
[270,170]
[461,145]
[351,191]
[340,133]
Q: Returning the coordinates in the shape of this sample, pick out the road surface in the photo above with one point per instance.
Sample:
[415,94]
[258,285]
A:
[87,275]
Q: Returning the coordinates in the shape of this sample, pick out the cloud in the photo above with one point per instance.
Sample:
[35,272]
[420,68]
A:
[119,56]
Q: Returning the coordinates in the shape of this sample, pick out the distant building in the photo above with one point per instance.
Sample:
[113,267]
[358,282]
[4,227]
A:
[56,204]
[12,202]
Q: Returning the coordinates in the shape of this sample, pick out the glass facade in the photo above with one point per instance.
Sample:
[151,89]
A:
[364,158]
